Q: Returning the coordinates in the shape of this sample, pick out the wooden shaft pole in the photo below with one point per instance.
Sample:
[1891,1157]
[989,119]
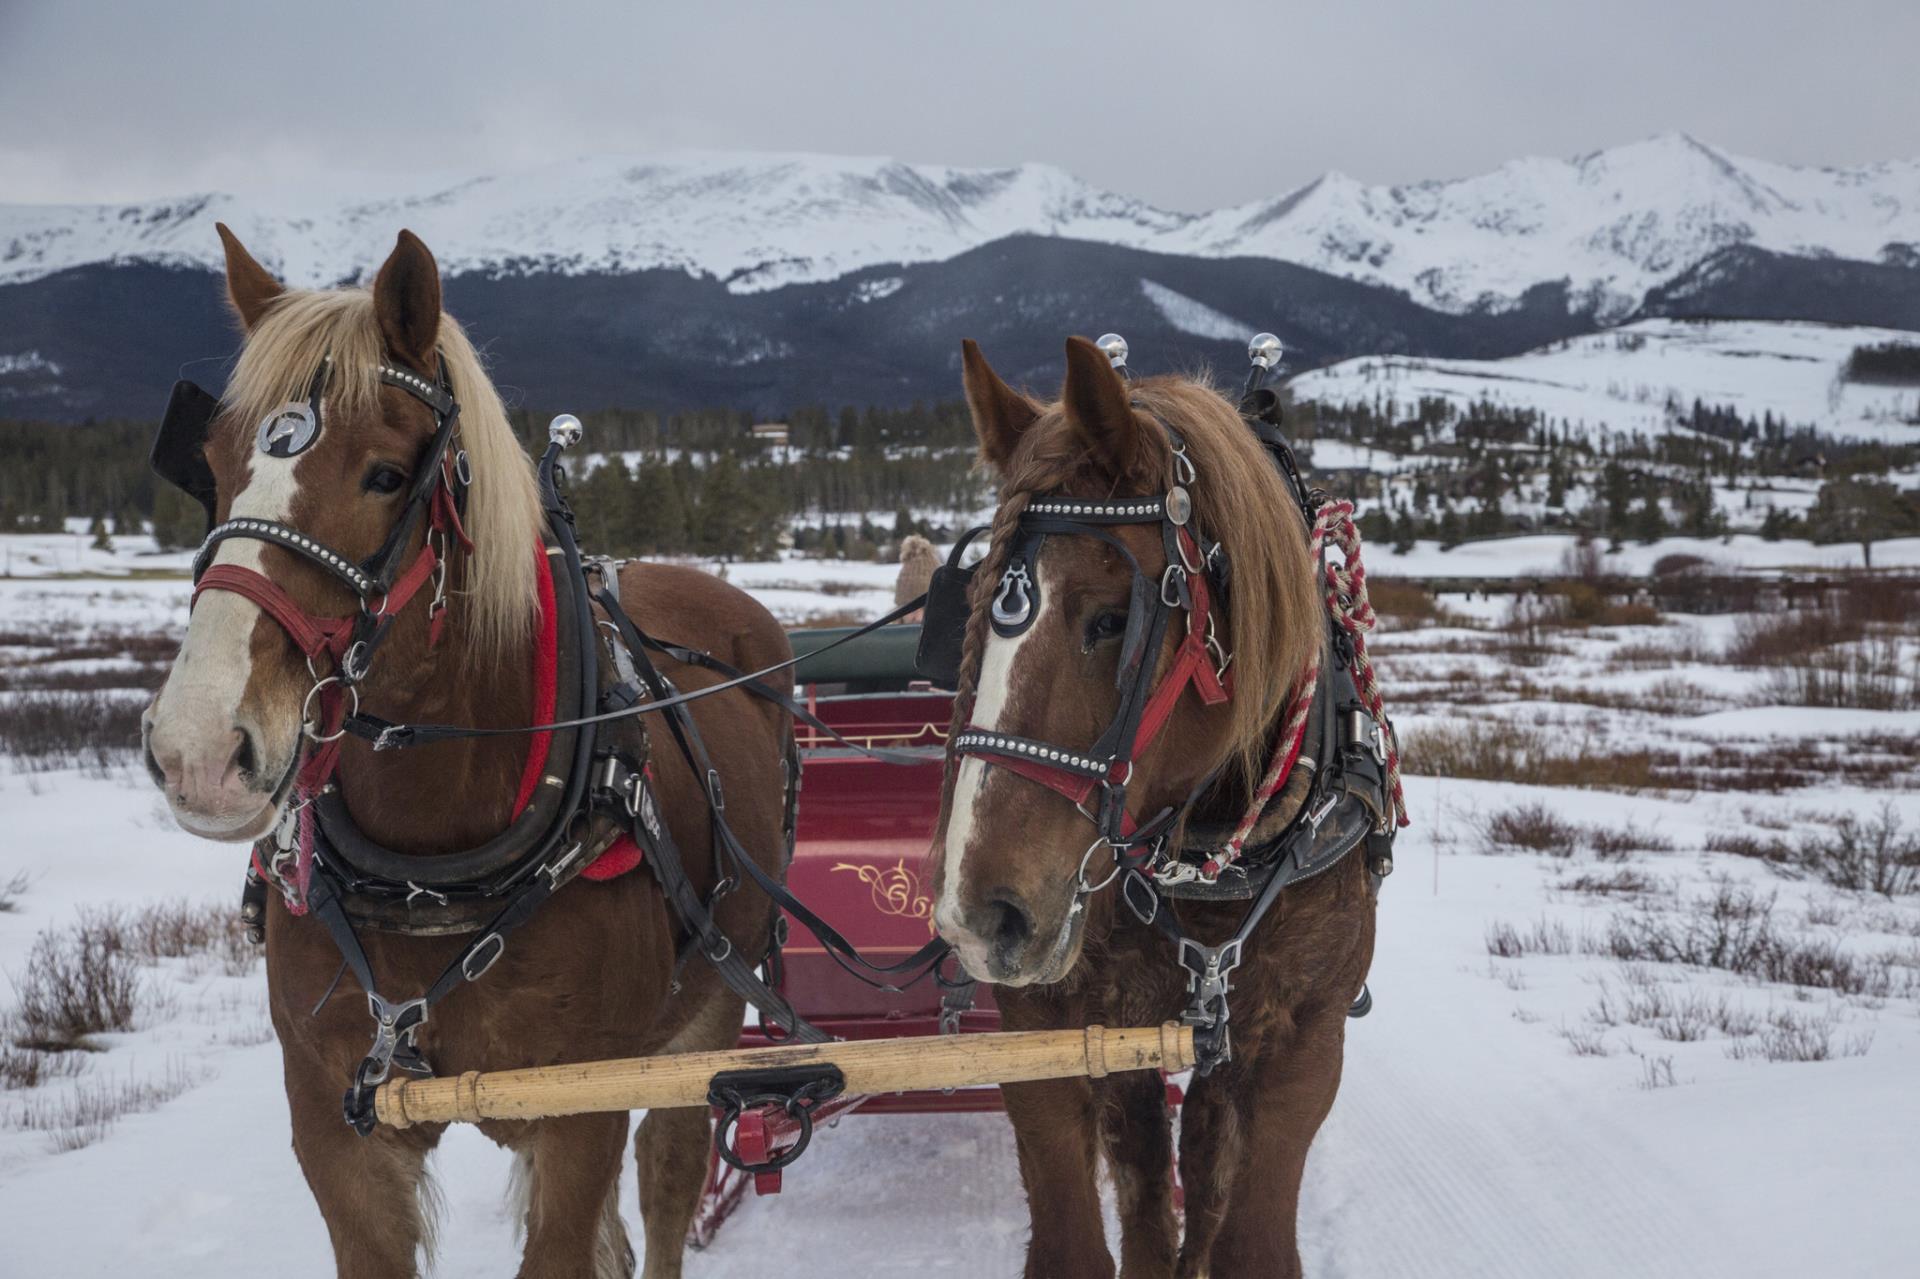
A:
[870,1066]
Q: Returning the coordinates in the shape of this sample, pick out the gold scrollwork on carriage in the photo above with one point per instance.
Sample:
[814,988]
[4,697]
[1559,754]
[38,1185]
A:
[895,890]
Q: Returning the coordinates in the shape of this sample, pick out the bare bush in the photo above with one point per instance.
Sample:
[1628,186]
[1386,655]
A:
[1409,604]
[1542,937]
[78,981]
[1585,1041]
[1788,638]
[31,1067]
[1657,1072]
[1853,852]
[56,729]
[82,1115]
[1531,826]
[1867,855]
[1612,843]
[1793,1036]
[1620,883]
[13,890]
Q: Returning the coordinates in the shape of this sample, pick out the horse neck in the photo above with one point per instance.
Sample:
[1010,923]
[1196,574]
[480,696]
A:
[455,794]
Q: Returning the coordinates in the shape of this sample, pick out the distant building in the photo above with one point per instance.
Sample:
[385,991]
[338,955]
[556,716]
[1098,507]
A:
[768,432]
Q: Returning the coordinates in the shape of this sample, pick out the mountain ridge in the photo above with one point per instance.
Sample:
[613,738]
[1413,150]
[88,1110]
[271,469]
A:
[1613,225]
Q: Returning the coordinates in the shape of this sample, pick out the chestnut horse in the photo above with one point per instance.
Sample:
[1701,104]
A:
[1017,894]
[592,973]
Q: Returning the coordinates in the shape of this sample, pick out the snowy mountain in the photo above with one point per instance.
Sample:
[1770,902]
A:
[1608,226]
[1611,225]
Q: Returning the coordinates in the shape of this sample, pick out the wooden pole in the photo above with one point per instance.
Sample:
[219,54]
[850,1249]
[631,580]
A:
[870,1066]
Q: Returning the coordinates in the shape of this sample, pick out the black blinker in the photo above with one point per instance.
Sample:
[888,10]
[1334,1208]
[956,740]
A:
[943,625]
[180,446]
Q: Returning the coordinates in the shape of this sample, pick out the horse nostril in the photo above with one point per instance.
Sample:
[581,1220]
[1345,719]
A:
[246,757]
[1008,923]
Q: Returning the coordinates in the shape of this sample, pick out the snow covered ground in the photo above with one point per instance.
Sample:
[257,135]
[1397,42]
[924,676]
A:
[1555,1110]
[1623,380]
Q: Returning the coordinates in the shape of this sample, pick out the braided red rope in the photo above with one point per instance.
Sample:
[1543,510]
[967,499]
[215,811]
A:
[1347,602]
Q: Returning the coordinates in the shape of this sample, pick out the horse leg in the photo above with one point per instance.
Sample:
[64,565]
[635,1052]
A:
[1210,1141]
[1139,1142]
[1054,1128]
[372,1191]
[571,1167]
[672,1146]
[1289,1090]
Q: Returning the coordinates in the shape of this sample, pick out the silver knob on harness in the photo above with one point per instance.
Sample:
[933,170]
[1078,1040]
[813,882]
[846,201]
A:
[1265,350]
[564,430]
[1114,347]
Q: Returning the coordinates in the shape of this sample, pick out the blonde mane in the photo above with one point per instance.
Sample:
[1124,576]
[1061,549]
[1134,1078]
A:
[1275,620]
[301,328]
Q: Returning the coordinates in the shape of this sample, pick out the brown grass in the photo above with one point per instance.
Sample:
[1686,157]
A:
[1409,604]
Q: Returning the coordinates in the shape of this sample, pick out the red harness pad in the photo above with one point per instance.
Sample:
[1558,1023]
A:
[623,854]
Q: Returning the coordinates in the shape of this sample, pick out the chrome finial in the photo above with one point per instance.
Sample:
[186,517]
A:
[1265,350]
[564,430]
[1114,347]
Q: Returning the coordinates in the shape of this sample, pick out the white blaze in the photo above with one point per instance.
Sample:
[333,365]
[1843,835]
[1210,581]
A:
[201,698]
[991,696]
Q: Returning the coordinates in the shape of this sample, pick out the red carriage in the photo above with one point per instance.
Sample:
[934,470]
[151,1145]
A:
[865,826]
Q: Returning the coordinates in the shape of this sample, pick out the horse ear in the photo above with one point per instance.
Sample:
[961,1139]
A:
[250,286]
[406,299]
[1000,413]
[1095,400]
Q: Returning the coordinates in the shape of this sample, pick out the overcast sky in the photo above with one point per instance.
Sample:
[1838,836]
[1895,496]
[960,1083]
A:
[1187,103]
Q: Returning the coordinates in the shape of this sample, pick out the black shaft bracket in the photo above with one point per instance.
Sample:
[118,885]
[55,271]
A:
[794,1089]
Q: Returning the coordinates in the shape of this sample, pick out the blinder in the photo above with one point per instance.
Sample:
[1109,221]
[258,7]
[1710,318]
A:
[179,453]
[943,625]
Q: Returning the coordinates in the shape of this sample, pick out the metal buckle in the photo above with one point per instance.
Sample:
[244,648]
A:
[467,968]
[1319,815]
[1130,889]
[1174,582]
[355,661]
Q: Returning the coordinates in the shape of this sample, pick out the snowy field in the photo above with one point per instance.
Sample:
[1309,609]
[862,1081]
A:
[1547,1085]
[1622,380]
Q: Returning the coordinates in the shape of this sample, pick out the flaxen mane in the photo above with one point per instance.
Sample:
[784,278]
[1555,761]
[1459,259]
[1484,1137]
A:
[302,328]
[1273,609]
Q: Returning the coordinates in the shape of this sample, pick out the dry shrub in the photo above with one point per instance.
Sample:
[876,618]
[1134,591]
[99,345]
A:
[13,890]
[1657,1072]
[1794,1036]
[1785,639]
[1576,605]
[31,1067]
[1872,855]
[1867,676]
[1542,937]
[1621,883]
[1682,1016]
[82,1115]
[1531,826]
[1585,1041]
[1613,843]
[1499,750]
[78,981]
[1867,600]
[1732,929]
[55,729]
[1410,604]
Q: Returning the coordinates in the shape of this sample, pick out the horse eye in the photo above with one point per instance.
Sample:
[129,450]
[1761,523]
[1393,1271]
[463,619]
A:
[1106,626]
[384,479]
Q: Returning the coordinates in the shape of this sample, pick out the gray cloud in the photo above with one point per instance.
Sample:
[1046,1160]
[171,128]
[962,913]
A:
[1190,105]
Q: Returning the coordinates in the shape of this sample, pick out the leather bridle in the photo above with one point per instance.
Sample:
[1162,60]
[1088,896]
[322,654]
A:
[384,583]
[1095,779]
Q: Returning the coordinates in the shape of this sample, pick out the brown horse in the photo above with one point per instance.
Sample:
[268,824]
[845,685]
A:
[591,974]
[1013,875]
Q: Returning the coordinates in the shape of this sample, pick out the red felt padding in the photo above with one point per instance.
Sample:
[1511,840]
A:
[623,855]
